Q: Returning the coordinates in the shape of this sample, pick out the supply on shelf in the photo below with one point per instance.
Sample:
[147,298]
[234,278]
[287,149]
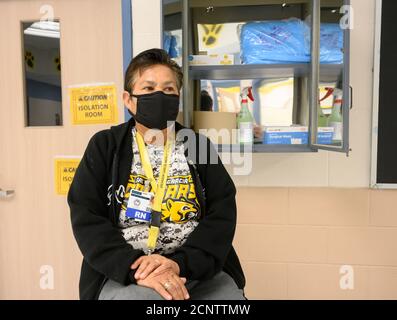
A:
[288,42]
[245,120]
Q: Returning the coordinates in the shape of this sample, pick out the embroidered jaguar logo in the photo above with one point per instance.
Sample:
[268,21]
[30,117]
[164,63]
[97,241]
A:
[178,211]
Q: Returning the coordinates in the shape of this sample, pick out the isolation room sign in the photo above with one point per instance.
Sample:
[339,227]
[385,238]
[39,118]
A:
[93,104]
[65,169]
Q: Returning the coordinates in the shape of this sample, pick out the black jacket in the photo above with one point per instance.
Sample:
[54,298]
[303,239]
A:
[95,198]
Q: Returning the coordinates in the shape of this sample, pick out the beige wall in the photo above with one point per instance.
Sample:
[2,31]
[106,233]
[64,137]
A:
[303,216]
[146,24]
[293,242]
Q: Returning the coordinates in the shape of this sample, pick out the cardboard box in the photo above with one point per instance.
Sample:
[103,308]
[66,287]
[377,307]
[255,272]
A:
[212,59]
[219,127]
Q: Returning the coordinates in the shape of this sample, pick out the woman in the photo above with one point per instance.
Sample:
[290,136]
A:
[152,212]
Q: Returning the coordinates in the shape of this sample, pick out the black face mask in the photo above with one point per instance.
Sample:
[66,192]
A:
[155,109]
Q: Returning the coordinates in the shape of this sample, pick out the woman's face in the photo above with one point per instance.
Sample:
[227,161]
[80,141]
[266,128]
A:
[155,78]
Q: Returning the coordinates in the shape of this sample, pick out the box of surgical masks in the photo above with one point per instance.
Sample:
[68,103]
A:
[325,135]
[295,135]
[286,135]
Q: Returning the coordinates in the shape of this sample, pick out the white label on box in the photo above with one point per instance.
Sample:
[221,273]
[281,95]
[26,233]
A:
[296,141]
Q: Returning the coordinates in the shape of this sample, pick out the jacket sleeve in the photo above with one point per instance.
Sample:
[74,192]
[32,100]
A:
[100,242]
[205,251]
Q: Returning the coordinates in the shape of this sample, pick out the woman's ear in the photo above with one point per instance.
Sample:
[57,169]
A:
[129,102]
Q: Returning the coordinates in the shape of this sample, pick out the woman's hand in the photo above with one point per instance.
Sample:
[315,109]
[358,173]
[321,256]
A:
[169,285]
[155,264]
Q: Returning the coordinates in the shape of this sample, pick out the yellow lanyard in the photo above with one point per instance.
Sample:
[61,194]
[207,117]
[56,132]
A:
[158,189]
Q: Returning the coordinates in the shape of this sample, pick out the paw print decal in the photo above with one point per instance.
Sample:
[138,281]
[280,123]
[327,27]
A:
[29,59]
[211,34]
[57,62]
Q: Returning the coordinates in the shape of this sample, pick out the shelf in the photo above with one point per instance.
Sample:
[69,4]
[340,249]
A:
[264,148]
[330,72]
[308,76]
[249,71]
[261,71]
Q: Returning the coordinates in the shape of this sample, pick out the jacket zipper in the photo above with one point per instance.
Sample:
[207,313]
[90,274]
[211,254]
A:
[199,187]
[101,287]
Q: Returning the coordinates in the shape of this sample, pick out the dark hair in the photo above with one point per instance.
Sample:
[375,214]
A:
[206,101]
[147,59]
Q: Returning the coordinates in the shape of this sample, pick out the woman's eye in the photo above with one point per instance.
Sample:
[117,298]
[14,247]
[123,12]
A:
[148,88]
[170,89]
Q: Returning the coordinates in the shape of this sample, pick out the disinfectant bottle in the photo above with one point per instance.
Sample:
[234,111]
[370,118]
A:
[325,106]
[336,119]
[245,121]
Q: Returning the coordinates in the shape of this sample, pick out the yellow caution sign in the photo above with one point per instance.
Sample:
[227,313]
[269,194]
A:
[96,104]
[64,174]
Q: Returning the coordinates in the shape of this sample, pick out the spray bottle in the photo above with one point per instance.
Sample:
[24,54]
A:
[245,121]
[336,119]
[325,106]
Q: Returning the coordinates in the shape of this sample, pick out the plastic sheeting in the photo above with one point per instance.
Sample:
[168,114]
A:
[331,43]
[270,42]
[288,41]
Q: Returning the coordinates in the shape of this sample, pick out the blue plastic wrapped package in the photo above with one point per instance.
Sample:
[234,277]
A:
[331,43]
[173,48]
[288,41]
[166,41]
[170,45]
[275,42]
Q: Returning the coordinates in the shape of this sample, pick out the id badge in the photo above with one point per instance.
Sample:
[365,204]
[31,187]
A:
[139,206]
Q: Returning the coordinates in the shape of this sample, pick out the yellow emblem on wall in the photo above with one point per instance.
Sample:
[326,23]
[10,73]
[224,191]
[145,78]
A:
[29,59]
[211,34]
[57,62]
